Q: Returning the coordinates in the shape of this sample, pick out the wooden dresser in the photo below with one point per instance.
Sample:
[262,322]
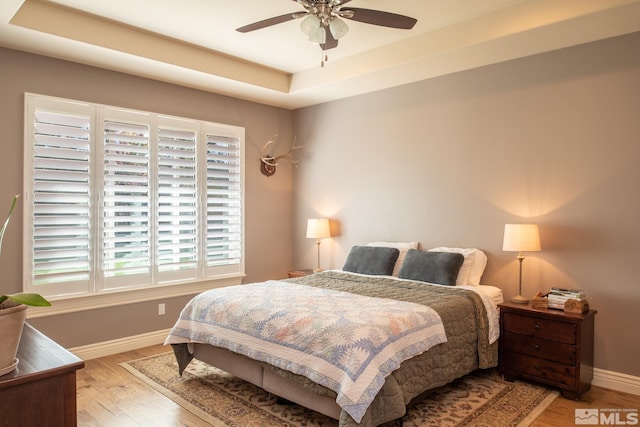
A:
[548,346]
[42,390]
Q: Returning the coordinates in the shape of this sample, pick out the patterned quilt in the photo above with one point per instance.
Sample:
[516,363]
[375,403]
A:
[343,341]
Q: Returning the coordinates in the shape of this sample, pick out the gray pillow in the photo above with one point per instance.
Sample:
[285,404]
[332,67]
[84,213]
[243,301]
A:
[433,267]
[371,260]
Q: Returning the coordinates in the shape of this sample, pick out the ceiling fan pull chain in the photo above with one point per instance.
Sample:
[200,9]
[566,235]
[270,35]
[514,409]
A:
[324,56]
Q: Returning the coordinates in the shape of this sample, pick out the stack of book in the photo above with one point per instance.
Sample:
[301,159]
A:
[558,296]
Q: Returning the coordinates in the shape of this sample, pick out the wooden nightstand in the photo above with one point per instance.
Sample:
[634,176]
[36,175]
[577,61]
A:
[548,346]
[299,273]
[42,391]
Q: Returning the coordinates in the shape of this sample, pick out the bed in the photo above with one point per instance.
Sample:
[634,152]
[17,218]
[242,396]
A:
[401,331]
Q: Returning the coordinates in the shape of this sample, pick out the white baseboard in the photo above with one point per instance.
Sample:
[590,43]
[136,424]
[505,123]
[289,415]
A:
[616,381]
[601,378]
[107,348]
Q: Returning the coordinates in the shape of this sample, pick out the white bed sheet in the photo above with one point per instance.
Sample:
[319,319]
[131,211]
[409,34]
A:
[494,292]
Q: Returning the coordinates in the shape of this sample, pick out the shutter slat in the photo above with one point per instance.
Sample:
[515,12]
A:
[65,130]
[78,144]
[56,277]
[48,232]
[61,165]
[52,221]
[60,198]
[58,176]
[70,187]
[47,255]
[138,148]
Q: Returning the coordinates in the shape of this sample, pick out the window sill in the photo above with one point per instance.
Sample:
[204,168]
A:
[92,302]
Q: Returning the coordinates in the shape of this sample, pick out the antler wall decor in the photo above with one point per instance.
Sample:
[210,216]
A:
[268,162]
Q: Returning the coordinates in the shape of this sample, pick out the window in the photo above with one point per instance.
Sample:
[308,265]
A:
[117,199]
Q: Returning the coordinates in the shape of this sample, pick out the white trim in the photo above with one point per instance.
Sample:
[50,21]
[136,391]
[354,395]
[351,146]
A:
[107,348]
[616,381]
[91,302]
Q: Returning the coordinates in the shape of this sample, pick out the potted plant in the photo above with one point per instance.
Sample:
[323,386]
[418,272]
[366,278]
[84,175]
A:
[13,312]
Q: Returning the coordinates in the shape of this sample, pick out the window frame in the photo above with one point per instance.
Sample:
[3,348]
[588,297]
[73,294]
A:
[96,294]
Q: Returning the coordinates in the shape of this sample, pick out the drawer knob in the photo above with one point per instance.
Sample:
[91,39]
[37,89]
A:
[536,347]
[537,367]
[536,326]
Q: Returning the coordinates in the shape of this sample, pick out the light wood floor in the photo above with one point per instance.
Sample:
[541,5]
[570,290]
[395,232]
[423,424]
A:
[110,396]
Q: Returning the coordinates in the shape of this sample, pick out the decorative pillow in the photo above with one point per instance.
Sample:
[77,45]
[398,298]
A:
[371,260]
[433,267]
[403,247]
[474,264]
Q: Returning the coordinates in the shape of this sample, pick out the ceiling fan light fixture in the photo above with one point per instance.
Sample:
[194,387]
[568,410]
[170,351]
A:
[310,24]
[318,36]
[322,16]
[338,28]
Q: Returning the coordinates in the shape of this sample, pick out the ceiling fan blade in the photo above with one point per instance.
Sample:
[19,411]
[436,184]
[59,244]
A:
[384,19]
[267,23]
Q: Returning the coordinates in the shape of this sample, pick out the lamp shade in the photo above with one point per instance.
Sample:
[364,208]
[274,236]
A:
[318,228]
[318,36]
[338,28]
[310,24]
[521,238]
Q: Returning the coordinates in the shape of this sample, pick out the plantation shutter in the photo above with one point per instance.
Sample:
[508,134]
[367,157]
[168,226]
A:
[126,257]
[177,250]
[224,204]
[122,199]
[60,231]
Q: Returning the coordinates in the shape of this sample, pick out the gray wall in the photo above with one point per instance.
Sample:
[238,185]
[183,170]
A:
[268,200]
[553,139]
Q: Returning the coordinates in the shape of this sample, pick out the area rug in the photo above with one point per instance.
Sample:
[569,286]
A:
[481,398]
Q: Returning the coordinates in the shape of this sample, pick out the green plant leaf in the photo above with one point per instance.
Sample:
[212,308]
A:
[6,223]
[29,299]
[24,298]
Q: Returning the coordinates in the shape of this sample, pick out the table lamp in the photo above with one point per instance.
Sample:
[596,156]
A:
[318,228]
[521,238]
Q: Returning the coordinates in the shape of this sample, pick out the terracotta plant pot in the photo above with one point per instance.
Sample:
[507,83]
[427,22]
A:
[11,323]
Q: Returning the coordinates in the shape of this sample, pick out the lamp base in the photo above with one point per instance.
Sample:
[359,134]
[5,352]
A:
[317,270]
[520,299]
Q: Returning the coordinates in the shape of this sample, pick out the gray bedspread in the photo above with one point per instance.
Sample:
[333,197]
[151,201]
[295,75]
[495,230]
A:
[467,348]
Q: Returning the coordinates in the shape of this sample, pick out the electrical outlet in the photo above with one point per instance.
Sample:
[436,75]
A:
[161,309]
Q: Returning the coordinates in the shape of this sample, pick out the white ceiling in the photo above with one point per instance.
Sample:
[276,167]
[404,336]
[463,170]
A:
[194,43]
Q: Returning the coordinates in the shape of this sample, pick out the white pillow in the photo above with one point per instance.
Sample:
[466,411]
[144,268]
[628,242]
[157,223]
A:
[403,247]
[473,266]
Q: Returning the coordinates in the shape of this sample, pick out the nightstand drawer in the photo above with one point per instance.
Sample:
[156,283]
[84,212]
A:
[541,328]
[550,350]
[538,368]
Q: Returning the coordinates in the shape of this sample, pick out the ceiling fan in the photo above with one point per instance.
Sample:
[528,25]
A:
[323,22]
